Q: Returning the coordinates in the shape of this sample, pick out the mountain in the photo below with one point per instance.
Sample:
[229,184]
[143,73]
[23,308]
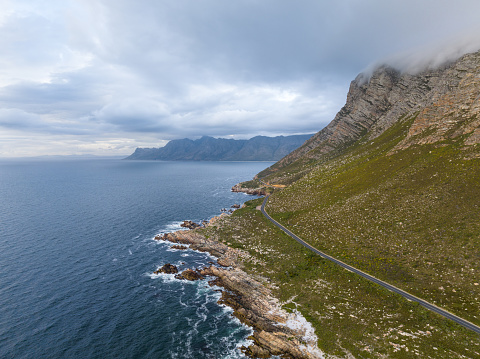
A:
[443,101]
[259,148]
[391,187]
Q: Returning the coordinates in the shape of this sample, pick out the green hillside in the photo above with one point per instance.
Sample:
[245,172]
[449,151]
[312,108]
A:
[391,186]
[409,217]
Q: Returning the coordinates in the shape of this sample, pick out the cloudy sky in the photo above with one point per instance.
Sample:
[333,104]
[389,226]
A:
[105,76]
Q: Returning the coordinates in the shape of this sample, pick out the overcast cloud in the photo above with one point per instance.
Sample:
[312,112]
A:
[106,76]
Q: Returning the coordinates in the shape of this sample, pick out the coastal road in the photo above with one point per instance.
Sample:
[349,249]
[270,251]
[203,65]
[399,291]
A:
[390,287]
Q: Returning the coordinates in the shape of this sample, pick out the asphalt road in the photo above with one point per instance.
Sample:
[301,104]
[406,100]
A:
[390,287]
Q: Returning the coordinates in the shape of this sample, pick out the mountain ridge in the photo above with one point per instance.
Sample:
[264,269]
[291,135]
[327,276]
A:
[374,105]
[258,148]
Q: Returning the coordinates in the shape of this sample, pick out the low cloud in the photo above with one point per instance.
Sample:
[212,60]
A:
[432,56]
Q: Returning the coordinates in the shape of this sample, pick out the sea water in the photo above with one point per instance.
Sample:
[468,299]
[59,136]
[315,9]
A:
[77,256]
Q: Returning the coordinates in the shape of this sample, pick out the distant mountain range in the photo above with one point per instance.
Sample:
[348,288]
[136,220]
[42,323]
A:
[259,148]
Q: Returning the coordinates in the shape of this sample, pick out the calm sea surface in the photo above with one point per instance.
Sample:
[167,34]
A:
[77,255]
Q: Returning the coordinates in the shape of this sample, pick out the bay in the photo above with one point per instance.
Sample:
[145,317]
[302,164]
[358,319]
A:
[77,255]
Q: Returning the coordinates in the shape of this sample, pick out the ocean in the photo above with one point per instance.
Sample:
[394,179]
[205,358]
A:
[77,256]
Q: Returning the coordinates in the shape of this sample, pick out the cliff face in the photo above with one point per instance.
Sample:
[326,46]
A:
[259,148]
[445,101]
[452,109]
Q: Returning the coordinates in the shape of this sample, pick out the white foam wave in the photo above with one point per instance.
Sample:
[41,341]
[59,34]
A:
[236,353]
[205,291]
[201,312]
[170,278]
[164,277]
[169,228]
[173,226]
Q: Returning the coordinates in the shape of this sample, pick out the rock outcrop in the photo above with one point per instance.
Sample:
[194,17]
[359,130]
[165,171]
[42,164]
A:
[260,191]
[190,274]
[179,247]
[189,225]
[196,241]
[167,269]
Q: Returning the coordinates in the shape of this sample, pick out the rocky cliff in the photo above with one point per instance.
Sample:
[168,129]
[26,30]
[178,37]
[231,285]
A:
[444,101]
[259,148]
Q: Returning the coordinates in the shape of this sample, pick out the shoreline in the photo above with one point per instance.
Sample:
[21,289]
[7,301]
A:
[260,191]
[275,330]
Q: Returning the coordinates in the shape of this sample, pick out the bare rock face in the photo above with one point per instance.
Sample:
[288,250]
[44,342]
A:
[453,107]
[445,102]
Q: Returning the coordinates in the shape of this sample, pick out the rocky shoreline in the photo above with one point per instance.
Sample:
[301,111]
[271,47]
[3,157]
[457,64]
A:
[260,191]
[276,331]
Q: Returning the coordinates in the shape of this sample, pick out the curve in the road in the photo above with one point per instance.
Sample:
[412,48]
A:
[390,287]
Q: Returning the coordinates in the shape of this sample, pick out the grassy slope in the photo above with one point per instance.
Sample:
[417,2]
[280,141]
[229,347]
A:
[410,218]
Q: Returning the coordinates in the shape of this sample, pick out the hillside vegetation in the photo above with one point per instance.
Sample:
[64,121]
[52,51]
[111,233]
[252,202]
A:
[392,187]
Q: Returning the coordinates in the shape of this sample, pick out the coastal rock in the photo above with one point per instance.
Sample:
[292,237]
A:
[261,191]
[189,225]
[167,269]
[255,306]
[255,351]
[279,343]
[197,242]
[160,237]
[226,261]
[236,206]
[190,274]
[252,302]
[176,246]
